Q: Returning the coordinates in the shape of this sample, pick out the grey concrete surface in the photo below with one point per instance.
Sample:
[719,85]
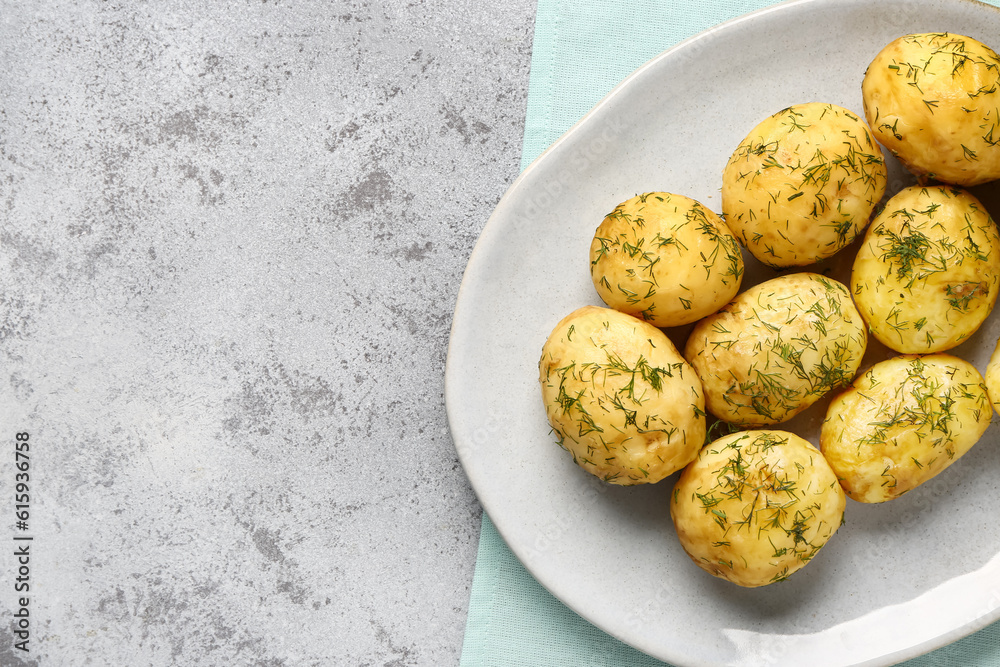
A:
[231,239]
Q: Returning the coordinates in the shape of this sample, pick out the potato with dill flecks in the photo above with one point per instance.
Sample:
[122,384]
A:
[933,99]
[777,348]
[665,258]
[992,377]
[756,506]
[803,184]
[620,397]
[928,272]
[902,422]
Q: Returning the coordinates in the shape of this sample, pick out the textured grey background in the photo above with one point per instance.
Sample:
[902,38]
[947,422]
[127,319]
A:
[231,238]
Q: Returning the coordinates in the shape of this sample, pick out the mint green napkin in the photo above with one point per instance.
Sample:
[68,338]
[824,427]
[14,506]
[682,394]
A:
[582,49]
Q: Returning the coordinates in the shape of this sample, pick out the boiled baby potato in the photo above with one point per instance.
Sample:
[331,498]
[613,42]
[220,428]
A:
[756,506]
[933,99]
[777,348]
[902,422]
[928,271]
[665,258]
[620,397]
[803,184]
[992,377]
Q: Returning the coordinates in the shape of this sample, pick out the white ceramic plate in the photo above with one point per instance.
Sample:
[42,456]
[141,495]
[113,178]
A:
[898,579]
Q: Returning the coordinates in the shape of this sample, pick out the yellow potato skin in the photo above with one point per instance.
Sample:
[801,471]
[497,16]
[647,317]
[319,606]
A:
[928,271]
[620,397]
[803,184]
[992,377]
[902,422]
[777,348]
[933,99]
[666,259]
[756,506]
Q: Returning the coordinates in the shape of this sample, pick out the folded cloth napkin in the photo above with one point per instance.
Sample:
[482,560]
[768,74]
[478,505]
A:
[582,49]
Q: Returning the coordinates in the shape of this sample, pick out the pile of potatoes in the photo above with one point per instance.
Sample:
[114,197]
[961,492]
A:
[754,503]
